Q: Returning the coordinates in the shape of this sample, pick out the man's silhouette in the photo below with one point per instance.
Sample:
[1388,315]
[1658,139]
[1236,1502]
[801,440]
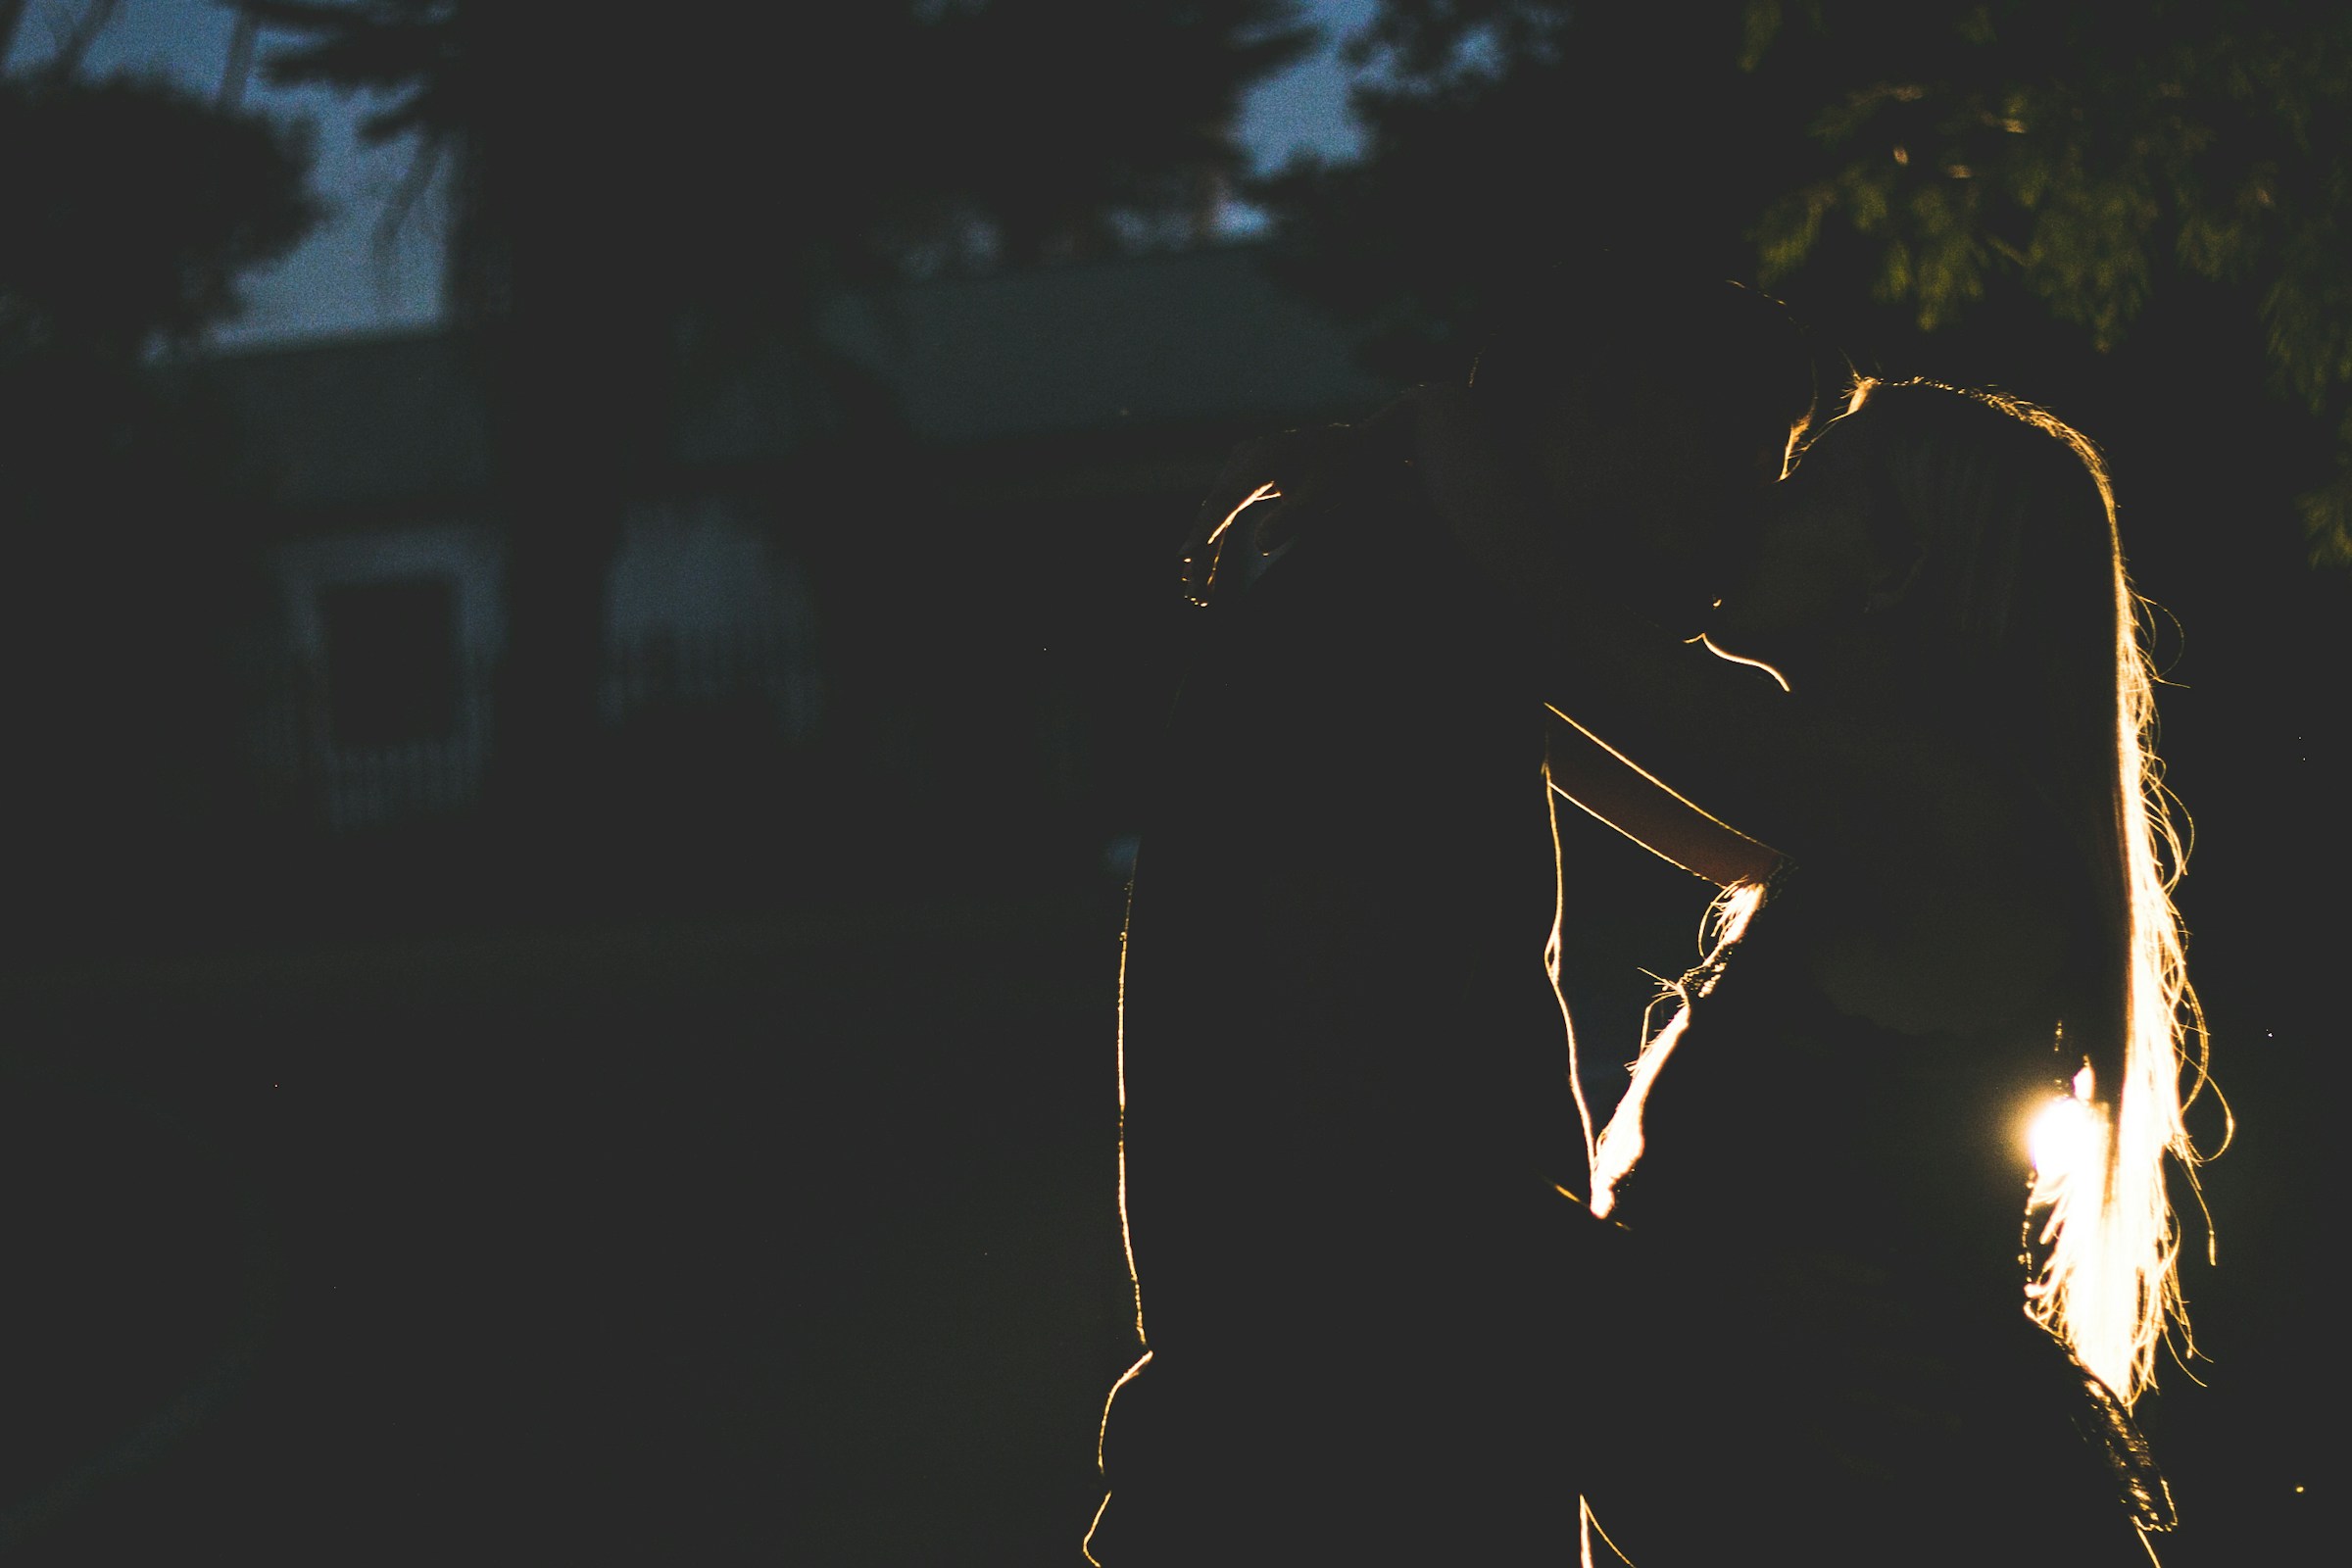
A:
[1349,1129]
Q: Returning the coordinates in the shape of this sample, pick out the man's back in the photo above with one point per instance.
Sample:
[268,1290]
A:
[1347,1083]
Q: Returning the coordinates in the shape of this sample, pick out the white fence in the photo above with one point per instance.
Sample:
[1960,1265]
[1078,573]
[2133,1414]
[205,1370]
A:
[346,789]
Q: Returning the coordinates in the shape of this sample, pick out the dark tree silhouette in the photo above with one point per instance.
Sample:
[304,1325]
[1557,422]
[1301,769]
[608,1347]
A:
[624,182]
[132,209]
[2003,166]
[2094,161]
[1502,138]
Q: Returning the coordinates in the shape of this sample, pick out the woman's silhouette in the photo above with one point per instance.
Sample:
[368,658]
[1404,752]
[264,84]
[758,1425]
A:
[1846,1319]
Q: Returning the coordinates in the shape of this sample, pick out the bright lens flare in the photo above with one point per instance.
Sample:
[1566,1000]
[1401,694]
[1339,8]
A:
[2063,1139]
[2067,1141]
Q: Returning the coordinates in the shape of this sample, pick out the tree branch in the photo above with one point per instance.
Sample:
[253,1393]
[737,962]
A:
[77,42]
[414,182]
[238,70]
[11,14]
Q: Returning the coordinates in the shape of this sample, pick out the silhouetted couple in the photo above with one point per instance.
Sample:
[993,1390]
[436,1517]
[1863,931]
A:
[1803,1291]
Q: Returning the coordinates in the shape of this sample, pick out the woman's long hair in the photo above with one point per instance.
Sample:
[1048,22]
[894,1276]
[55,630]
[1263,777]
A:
[2021,578]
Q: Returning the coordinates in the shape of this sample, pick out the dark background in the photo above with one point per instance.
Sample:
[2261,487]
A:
[642,1089]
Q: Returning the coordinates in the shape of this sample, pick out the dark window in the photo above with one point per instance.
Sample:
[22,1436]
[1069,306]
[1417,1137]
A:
[391,661]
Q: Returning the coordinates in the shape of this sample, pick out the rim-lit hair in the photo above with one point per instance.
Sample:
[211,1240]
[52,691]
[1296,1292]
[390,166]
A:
[2021,576]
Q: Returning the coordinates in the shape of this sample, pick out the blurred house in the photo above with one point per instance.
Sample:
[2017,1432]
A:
[926,556]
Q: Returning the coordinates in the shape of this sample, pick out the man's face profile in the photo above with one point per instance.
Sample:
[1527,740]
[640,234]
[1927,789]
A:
[1663,486]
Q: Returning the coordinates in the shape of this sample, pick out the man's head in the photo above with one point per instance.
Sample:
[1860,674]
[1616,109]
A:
[1652,408]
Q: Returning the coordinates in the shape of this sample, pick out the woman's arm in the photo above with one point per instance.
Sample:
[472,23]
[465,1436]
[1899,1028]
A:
[1276,487]
[1594,776]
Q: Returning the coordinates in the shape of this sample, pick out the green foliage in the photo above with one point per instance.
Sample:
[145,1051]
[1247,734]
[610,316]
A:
[2094,166]
[1954,161]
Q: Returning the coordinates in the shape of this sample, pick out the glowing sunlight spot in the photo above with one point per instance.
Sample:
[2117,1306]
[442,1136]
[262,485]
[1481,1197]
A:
[2067,1142]
[2063,1139]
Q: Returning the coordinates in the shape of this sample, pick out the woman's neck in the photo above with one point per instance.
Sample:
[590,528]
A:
[1878,674]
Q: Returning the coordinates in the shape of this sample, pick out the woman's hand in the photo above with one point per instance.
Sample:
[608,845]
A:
[1269,492]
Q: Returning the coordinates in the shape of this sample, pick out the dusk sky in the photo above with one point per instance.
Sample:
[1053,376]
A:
[335,284]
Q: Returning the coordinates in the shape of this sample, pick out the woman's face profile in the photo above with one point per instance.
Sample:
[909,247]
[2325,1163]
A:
[1807,560]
